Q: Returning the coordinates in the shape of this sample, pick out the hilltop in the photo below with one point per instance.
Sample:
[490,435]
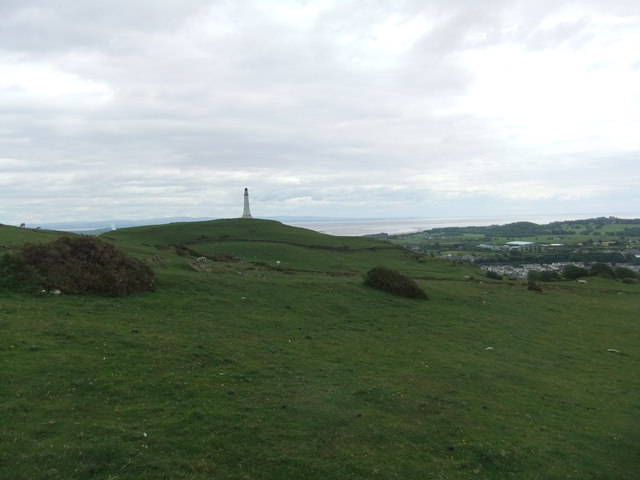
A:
[259,242]
[271,359]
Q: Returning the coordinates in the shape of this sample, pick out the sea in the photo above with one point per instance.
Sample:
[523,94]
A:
[414,225]
[343,227]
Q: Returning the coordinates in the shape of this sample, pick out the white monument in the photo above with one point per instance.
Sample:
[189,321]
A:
[246,213]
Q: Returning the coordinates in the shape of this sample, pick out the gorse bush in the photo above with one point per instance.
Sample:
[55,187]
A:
[79,264]
[15,274]
[392,281]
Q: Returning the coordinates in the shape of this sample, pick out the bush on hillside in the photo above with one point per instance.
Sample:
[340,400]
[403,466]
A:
[80,264]
[623,273]
[602,270]
[534,286]
[493,275]
[572,272]
[542,276]
[392,281]
[15,274]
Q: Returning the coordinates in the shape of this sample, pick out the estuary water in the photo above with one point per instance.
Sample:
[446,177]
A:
[412,225]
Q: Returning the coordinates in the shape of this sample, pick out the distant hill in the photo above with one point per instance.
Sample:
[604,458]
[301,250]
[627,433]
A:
[237,229]
[99,226]
[519,228]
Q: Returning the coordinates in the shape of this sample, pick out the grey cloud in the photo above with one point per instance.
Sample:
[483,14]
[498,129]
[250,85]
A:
[196,100]
[41,27]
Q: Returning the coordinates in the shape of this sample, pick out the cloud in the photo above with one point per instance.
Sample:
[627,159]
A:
[152,108]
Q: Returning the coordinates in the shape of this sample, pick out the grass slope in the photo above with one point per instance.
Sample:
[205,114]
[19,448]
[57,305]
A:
[248,370]
[238,229]
[14,237]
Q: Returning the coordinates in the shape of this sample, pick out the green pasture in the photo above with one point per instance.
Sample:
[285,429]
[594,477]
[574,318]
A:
[228,229]
[14,237]
[251,370]
[593,231]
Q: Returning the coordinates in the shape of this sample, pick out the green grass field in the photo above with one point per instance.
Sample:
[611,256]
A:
[598,239]
[252,370]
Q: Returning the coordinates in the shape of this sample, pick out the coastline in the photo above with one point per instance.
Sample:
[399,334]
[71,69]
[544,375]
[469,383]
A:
[412,225]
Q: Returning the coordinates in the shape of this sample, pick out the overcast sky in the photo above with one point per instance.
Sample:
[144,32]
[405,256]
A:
[367,108]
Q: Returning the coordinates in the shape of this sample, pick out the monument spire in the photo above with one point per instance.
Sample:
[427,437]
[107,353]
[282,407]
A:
[246,213]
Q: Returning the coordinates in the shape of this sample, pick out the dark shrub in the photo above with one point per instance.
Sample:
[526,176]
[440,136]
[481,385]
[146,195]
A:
[225,257]
[84,264]
[549,276]
[534,286]
[15,274]
[493,275]
[571,272]
[602,270]
[394,282]
[623,272]
[534,276]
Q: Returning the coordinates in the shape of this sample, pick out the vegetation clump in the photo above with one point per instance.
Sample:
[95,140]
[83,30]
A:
[602,270]
[493,275]
[624,273]
[573,272]
[79,264]
[392,281]
[534,286]
[15,274]
[224,257]
[542,276]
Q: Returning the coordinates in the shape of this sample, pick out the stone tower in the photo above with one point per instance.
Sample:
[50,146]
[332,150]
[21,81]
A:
[246,213]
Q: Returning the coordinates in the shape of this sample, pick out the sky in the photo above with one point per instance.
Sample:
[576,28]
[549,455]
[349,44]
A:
[346,108]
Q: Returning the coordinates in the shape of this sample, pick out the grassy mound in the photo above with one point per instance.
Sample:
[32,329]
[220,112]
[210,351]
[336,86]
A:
[237,229]
[262,242]
[392,281]
[78,264]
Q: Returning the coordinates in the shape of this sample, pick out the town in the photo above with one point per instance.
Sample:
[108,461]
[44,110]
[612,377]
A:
[515,249]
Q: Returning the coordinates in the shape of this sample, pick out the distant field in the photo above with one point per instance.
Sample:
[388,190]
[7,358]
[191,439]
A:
[248,368]
[601,239]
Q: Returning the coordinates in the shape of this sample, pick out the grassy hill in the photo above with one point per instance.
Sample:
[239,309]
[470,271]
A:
[14,237]
[242,368]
